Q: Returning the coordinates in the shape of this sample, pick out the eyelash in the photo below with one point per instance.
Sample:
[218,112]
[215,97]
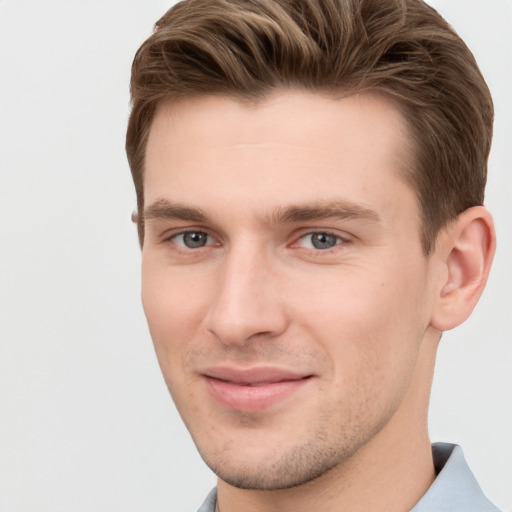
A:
[339,240]
[182,246]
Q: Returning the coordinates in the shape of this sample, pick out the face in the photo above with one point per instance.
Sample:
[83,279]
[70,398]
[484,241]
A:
[284,283]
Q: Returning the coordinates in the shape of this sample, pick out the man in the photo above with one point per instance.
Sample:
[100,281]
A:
[310,178]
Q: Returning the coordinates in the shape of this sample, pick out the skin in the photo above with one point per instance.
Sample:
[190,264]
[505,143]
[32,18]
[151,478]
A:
[359,321]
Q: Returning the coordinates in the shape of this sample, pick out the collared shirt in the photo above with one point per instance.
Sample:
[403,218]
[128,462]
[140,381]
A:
[454,490]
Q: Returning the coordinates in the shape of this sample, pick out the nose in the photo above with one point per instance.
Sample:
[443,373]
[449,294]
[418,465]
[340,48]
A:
[248,302]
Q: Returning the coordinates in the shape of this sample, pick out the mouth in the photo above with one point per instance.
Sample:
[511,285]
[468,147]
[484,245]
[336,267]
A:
[252,389]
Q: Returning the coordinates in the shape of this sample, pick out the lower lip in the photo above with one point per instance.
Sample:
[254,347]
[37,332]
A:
[252,398]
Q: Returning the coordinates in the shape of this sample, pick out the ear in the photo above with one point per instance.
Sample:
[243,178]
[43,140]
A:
[466,249]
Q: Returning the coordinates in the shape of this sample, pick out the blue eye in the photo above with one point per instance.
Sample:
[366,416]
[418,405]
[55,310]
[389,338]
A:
[319,241]
[192,239]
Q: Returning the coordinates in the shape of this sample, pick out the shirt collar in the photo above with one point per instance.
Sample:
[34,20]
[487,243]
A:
[455,488]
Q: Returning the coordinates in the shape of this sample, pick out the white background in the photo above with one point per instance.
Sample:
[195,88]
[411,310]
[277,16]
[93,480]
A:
[85,420]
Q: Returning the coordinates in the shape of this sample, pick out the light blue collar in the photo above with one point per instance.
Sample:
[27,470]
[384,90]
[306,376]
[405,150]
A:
[455,489]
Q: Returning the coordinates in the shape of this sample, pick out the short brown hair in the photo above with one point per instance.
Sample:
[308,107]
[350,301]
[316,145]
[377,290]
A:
[401,48]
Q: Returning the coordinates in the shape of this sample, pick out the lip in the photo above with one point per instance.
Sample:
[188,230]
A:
[252,389]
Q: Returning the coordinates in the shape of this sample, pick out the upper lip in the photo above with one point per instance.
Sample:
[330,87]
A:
[253,375]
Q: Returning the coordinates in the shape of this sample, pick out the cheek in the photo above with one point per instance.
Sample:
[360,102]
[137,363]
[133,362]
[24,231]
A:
[173,306]
[369,321]
[173,312]
[373,341]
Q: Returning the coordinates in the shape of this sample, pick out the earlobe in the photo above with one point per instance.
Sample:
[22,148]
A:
[467,251]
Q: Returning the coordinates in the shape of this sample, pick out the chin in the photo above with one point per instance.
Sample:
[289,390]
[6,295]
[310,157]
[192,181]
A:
[275,471]
[264,478]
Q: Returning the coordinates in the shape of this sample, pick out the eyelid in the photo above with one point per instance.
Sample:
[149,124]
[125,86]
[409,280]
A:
[342,239]
[171,235]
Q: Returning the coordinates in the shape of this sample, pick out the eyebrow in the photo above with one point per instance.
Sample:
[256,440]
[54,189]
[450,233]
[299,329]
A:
[166,210]
[323,210]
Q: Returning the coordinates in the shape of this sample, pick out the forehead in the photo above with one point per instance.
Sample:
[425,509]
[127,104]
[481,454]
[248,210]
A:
[289,148]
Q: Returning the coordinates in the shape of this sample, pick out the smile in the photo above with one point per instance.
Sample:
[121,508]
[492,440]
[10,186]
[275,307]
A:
[252,390]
